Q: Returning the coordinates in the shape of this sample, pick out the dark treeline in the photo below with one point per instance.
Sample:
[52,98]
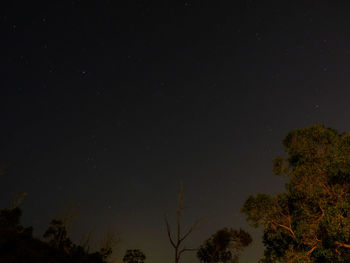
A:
[308,223]
[17,243]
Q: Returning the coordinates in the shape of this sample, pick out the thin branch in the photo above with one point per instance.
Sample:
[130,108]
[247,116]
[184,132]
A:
[193,227]
[342,244]
[285,227]
[18,200]
[179,210]
[311,250]
[169,231]
[177,244]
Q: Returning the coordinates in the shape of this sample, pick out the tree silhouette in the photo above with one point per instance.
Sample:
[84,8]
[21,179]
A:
[17,244]
[224,246]
[310,221]
[57,236]
[108,244]
[134,256]
[180,238]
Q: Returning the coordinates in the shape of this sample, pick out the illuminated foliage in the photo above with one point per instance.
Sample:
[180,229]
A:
[310,221]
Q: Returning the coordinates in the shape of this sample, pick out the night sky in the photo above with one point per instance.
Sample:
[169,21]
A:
[111,104]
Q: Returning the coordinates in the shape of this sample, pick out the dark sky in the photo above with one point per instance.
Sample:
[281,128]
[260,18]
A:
[111,104]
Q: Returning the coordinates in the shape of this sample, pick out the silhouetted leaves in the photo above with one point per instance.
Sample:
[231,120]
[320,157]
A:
[17,244]
[134,256]
[57,235]
[224,246]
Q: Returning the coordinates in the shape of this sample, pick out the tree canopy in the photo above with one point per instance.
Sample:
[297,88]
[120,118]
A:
[134,256]
[224,246]
[310,221]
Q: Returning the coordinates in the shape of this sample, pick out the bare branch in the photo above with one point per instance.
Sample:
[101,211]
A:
[179,210]
[169,230]
[179,237]
[193,227]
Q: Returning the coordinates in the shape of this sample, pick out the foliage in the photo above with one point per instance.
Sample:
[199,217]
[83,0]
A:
[224,246]
[109,242]
[58,236]
[134,256]
[310,221]
[17,244]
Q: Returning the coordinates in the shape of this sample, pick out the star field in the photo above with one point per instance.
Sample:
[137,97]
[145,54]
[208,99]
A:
[111,105]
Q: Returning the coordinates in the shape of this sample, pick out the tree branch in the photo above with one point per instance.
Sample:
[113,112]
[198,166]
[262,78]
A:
[342,244]
[169,231]
[311,250]
[193,227]
[285,227]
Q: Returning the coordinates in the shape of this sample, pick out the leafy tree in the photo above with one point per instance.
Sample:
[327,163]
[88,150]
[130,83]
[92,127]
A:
[17,244]
[57,235]
[224,246]
[134,256]
[310,221]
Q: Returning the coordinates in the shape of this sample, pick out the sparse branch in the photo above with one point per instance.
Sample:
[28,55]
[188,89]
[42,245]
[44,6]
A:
[85,241]
[179,238]
[178,216]
[169,230]
[193,227]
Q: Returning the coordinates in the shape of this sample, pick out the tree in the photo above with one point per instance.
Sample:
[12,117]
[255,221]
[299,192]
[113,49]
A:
[310,221]
[134,256]
[224,246]
[57,233]
[177,244]
[58,236]
[17,243]
[108,244]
